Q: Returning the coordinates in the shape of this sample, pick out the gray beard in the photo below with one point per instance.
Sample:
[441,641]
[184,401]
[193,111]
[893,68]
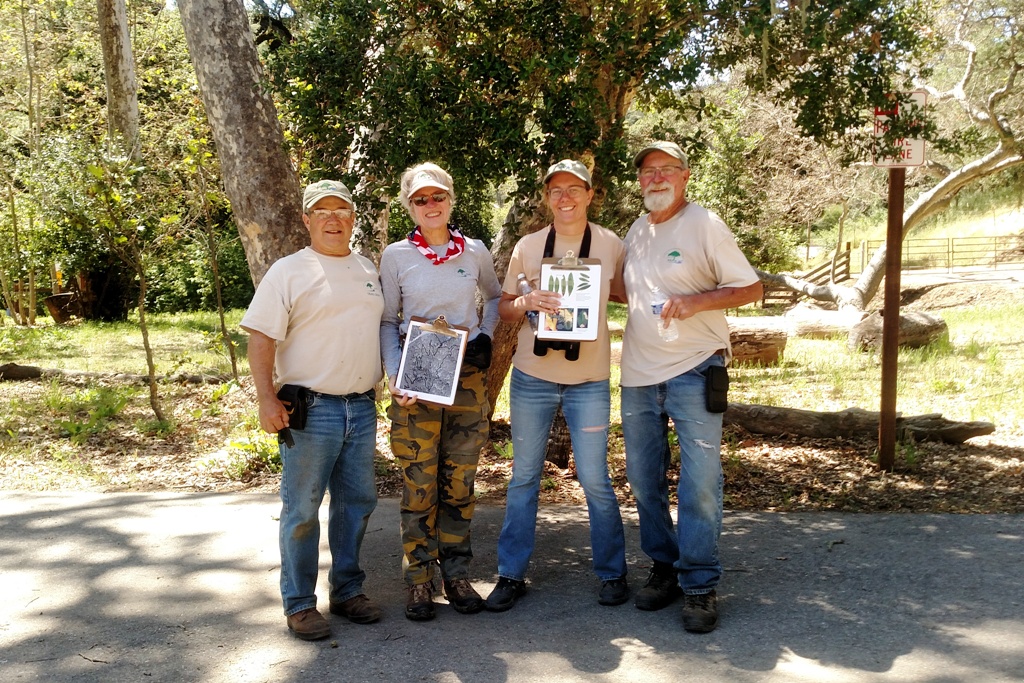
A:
[659,201]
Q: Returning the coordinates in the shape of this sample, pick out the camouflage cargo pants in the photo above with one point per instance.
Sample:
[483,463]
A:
[439,448]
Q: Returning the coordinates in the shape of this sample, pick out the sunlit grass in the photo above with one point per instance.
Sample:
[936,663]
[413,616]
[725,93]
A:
[181,342]
[975,374]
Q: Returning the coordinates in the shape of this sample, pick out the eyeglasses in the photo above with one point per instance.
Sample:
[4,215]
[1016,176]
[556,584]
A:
[324,214]
[422,200]
[648,172]
[574,192]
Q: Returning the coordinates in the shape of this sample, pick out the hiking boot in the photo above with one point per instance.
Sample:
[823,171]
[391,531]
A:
[613,592]
[700,612]
[505,594]
[358,610]
[308,625]
[661,589]
[420,604]
[462,596]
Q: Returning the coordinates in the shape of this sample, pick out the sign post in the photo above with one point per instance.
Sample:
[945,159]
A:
[911,153]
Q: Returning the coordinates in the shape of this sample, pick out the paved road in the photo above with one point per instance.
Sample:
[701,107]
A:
[183,587]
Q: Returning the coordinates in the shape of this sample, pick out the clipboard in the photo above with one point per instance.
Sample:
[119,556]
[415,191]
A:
[578,282]
[432,359]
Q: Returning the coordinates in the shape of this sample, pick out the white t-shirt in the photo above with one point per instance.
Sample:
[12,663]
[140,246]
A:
[594,361]
[324,312]
[691,253]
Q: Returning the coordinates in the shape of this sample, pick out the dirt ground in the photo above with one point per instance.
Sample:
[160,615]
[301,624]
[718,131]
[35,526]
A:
[762,473]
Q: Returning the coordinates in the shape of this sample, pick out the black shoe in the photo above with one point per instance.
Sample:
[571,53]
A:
[420,604]
[613,592]
[505,594]
[700,612]
[462,596]
[661,589]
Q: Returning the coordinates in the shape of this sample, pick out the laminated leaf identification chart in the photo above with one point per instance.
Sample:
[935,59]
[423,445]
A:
[578,283]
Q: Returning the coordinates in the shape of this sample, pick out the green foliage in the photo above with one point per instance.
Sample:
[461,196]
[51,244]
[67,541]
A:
[64,212]
[496,90]
[19,343]
[248,451]
[503,449]
[85,412]
[185,282]
[729,179]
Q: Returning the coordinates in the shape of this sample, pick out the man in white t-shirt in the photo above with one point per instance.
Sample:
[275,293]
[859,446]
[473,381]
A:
[683,252]
[314,323]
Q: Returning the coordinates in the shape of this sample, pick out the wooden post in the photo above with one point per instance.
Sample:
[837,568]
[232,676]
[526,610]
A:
[891,319]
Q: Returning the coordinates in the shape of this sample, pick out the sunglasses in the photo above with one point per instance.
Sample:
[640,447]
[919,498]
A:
[423,200]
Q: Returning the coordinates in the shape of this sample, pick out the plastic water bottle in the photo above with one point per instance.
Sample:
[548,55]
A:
[524,288]
[667,332]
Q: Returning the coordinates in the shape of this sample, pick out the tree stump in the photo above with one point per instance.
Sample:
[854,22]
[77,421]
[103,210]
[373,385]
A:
[916,329]
[759,341]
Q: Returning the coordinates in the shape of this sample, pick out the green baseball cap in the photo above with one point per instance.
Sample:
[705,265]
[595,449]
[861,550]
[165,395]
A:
[669,148]
[325,188]
[569,166]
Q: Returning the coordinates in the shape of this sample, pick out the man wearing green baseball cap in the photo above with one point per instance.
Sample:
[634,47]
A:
[682,270]
[313,329]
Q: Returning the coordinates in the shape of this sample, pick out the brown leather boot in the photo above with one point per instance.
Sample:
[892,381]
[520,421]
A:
[462,596]
[309,625]
[420,604]
[359,610]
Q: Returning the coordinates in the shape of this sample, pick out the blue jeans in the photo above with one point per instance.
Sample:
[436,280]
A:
[693,546]
[334,452]
[586,408]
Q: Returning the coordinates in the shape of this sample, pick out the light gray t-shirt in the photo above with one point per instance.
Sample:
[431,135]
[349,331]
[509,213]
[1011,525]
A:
[691,253]
[415,288]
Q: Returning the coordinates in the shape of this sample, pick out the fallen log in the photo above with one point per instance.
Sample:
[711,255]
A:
[818,323]
[849,423]
[916,329]
[13,371]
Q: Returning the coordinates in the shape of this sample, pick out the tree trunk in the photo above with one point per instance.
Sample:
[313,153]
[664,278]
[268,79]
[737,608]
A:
[849,423]
[559,441]
[154,395]
[259,179]
[210,234]
[119,71]
[523,218]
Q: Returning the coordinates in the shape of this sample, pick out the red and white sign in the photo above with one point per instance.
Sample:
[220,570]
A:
[911,149]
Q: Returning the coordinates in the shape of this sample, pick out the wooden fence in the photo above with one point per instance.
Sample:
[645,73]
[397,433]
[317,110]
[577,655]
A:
[955,253]
[781,296]
[950,254]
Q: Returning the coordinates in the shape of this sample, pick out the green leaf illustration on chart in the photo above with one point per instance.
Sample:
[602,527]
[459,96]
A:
[569,285]
[551,283]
